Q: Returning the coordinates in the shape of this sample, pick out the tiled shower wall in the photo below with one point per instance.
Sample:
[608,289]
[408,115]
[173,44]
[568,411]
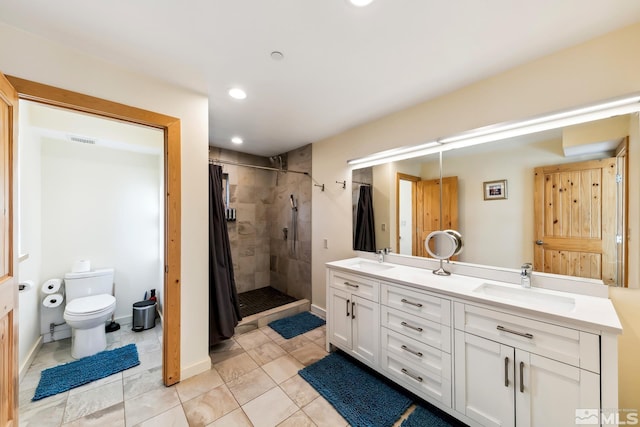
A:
[291,259]
[261,256]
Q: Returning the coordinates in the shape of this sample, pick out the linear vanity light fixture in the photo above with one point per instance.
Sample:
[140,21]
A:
[603,110]
[578,116]
[395,155]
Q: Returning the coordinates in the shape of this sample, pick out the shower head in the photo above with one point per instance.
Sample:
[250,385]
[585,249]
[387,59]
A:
[293,203]
[278,159]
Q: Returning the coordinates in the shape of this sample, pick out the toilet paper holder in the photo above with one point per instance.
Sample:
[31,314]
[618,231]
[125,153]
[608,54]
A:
[53,301]
[52,286]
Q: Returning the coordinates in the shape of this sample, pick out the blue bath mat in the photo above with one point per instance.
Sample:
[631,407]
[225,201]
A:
[290,327]
[423,417]
[359,396]
[79,372]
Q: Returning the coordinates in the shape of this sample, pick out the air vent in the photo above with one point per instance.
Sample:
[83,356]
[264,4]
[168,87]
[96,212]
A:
[82,139]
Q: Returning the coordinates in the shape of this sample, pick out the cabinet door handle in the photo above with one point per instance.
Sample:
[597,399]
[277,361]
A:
[415,328]
[511,331]
[353,310]
[410,375]
[352,285]
[406,301]
[348,308]
[405,348]
[506,372]
[521,377]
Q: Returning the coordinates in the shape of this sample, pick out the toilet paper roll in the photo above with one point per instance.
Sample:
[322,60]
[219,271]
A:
[53,300]
[81,266]
[52,286]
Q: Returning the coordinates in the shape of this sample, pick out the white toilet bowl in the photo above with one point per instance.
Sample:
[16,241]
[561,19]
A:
[87,316]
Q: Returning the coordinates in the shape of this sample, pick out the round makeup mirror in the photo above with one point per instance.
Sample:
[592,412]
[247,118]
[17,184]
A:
[440,244]
[458,237]
[443,245]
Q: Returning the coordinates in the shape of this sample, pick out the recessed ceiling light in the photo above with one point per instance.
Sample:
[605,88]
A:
[237,140]
[360,3]
[237,93]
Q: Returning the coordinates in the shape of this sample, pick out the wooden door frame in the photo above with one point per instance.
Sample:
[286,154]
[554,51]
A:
[57,97]
[9,392]
[622,151]
[404,177]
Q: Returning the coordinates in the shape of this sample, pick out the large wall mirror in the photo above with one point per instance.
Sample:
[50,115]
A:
[557,199]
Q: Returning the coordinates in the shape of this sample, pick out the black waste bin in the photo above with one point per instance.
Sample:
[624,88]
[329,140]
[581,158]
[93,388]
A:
[144,315]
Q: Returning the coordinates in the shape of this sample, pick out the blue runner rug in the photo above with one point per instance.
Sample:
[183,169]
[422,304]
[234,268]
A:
[290,327]
[79,372]
[359,396]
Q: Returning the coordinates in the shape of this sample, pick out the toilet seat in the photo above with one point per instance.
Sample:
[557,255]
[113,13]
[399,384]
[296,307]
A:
[90,306]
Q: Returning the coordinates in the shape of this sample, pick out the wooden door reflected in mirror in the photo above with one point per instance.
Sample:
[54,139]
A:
[418,210]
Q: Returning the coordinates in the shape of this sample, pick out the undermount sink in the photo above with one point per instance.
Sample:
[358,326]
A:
[528,296]
[370,266]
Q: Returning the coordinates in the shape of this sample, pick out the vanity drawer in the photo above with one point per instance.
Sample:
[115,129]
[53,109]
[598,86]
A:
[424,383]
[577,348]
[417,303]
[418,328]
[356,285]
[416,353]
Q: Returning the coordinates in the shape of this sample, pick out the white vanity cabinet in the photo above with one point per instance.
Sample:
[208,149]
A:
[514,371]
[486,360]
[416,341]
[354,315]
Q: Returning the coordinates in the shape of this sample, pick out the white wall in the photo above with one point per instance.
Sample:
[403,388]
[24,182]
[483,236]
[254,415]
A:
[30,242]
[102,205]
[34,58]
[382,214]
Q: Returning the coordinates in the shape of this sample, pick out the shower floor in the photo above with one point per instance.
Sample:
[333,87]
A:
[262,299]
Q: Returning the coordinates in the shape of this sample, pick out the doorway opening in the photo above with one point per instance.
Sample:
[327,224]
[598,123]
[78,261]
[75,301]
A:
[170,126]
[90,189]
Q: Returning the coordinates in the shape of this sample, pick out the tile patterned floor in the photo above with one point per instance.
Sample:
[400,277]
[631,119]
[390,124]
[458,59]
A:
[253,381]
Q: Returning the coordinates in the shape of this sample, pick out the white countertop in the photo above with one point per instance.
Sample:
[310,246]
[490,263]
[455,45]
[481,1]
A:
[595,313]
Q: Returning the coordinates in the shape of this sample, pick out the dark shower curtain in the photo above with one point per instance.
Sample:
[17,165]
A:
[365,233]
[224,308]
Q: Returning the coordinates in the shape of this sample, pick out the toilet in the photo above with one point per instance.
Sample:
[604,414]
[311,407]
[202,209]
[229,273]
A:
[89,305]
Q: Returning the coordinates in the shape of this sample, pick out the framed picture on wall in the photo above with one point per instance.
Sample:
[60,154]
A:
[495,190]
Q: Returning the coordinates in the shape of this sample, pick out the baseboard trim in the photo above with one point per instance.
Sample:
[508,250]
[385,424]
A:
[319,311]
[24,367]
[124,320]
[195,369]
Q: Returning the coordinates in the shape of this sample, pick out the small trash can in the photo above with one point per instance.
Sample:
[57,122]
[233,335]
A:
[144,315]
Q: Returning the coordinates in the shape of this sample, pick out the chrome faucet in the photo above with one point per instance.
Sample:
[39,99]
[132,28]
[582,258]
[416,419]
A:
[525,275]
[382,252]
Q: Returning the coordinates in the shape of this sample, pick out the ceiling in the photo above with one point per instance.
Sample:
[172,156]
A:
[343,66]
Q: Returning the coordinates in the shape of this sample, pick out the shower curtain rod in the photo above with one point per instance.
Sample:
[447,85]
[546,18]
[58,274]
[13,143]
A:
[227,162]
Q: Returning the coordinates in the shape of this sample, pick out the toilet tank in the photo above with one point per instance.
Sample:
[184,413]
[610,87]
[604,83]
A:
[88,283]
